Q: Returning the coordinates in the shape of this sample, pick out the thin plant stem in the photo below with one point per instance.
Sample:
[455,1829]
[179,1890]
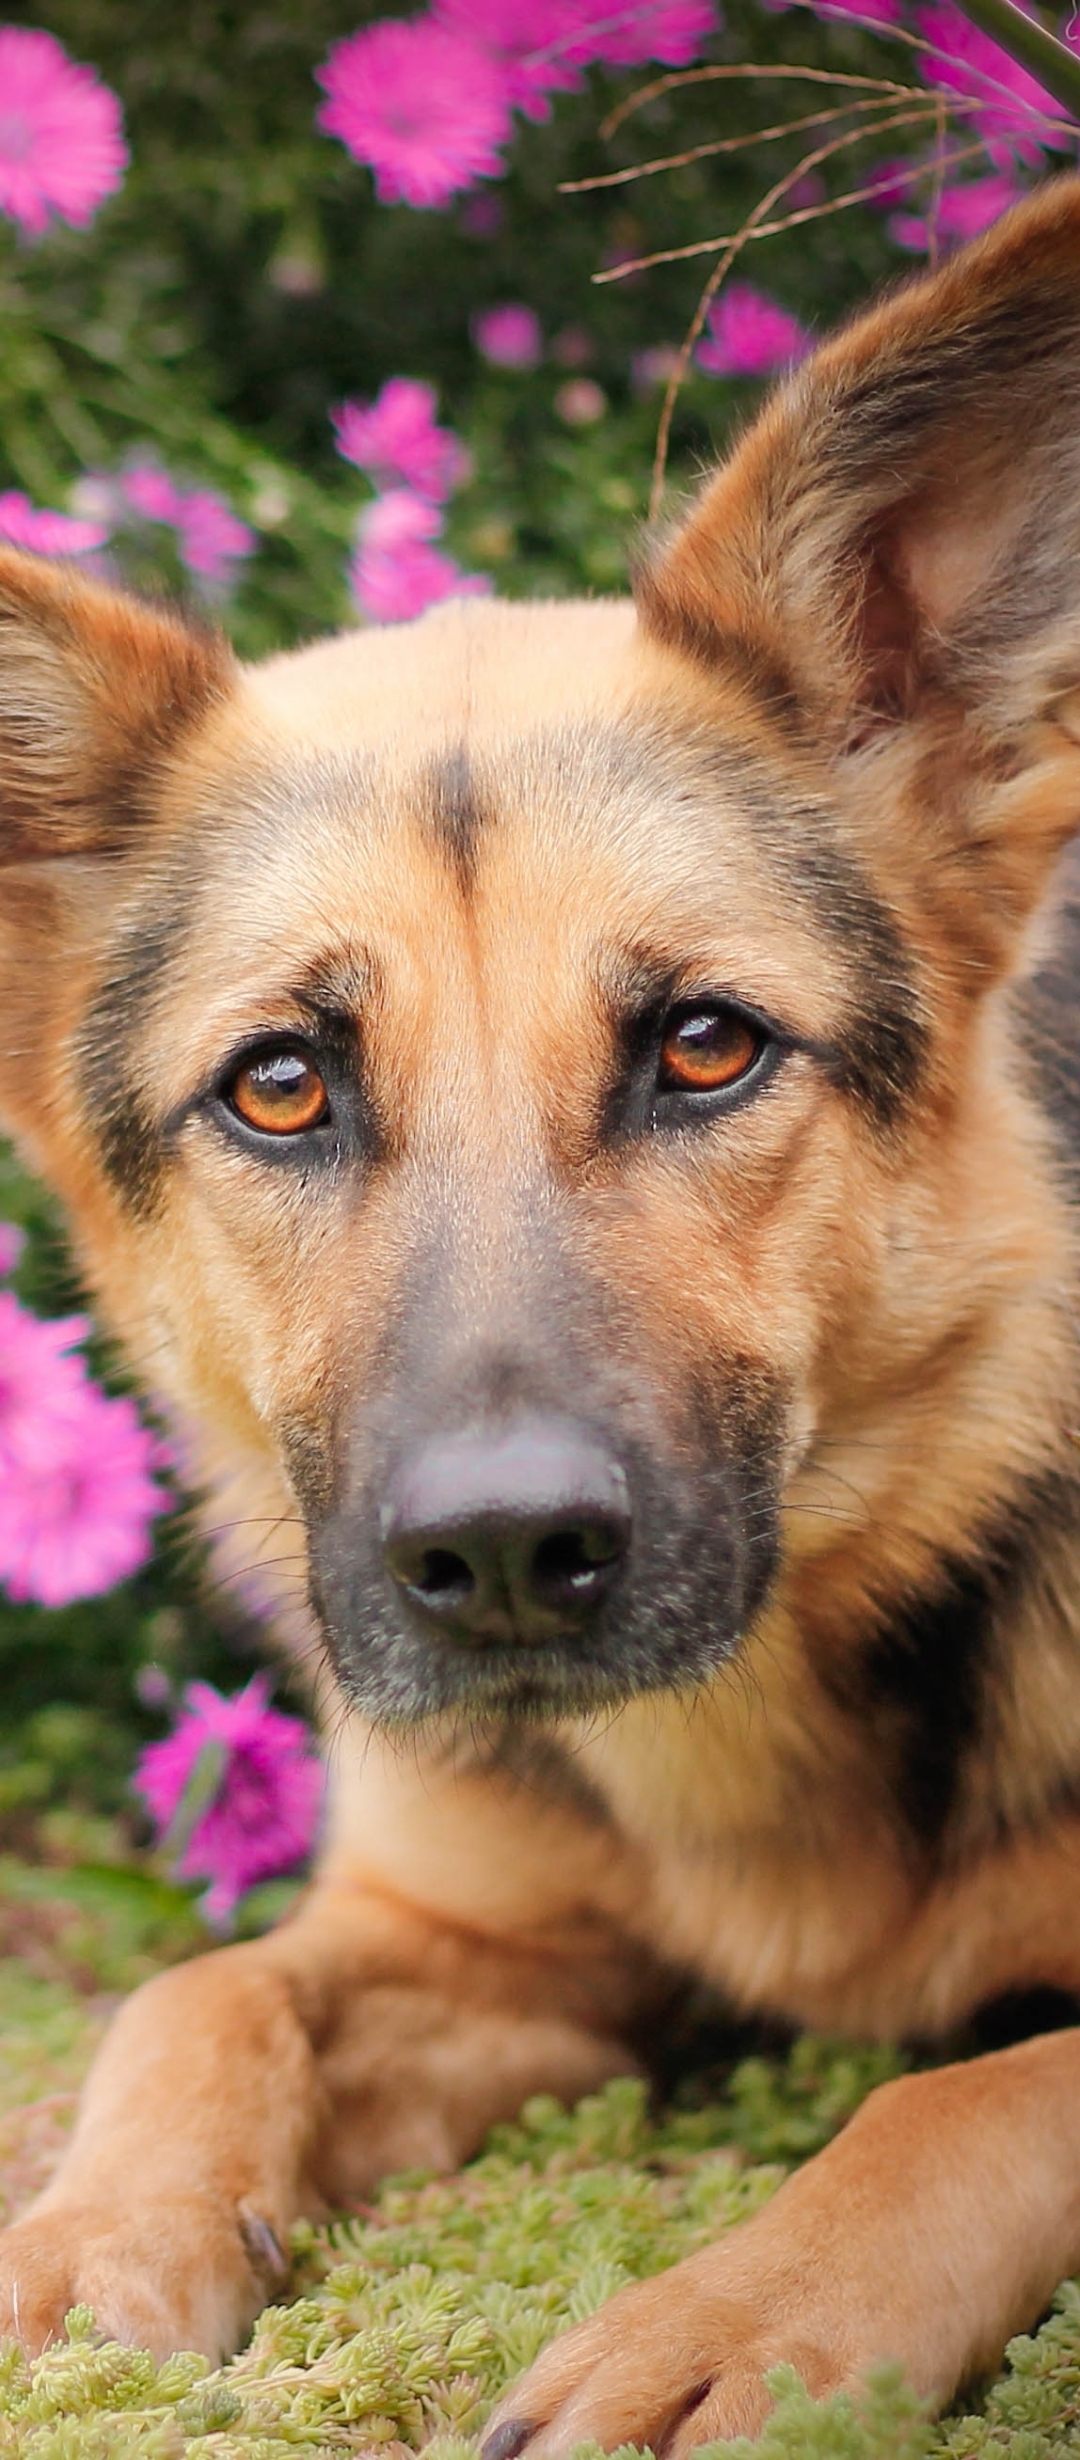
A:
[919,117]
[989,86]
[710,74]
[1022,39]
[720,145]
[898,175]
[937,188]
[754,227]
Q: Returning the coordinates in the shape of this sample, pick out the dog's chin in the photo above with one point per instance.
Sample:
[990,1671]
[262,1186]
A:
[397,1678]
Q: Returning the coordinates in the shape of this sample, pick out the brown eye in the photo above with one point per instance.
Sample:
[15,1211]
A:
[279,1092]
[706,1049]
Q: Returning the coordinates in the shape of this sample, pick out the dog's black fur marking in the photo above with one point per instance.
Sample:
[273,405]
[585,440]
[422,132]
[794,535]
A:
[130,1139]
[1048,1009]
[882,1044]
[879,1048]
[456,816]
[925,1680]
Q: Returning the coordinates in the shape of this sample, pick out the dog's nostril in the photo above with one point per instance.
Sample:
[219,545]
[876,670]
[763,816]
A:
[575,1564]
[443,1578]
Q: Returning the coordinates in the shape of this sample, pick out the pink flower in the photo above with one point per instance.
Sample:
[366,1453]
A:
[39,1378]
[508,336]
[151,492]
[543,45]
[396,572]
[76,1494]
[750,334]
[624,33]
[395,437]
[962,212]
[211,537]
[12,1242]
[62,149]
[425,106]
[208,534]
[526,40]
[46,533]
[264,1809]
[1014,111]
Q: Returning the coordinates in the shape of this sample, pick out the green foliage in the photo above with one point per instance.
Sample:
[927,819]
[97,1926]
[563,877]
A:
[244,281]
[407,2323]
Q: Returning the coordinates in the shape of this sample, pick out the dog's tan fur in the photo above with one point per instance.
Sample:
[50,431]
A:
[857,661]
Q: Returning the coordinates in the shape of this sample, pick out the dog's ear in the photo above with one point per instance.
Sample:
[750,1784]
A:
[893,551]
[95,690]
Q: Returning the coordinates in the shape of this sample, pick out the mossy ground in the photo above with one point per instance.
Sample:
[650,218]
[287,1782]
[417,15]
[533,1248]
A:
[405,2321]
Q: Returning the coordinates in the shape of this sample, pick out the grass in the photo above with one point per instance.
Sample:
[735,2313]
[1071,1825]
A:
[405,2321]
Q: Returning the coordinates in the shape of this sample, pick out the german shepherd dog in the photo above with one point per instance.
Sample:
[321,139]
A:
[578,1107]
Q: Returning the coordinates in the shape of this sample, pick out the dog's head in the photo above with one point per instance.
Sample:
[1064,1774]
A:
[526,1083]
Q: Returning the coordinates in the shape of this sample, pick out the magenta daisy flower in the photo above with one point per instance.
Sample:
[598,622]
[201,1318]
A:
[46,533]
[152,493]
[76,1491]
[750,334]
[629,32]
[962,212]
[396,438]
[209,535]
[426,107]
[527,39]
[396,572]
[1013,113]
[265,1784]
[62,147]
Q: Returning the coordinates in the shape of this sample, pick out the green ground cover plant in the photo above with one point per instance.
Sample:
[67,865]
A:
[404,2322]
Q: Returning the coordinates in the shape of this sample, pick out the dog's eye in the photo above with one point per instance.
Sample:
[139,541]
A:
[704,1050]
[279,1091]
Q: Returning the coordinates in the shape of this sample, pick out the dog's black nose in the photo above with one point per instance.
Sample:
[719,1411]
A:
[513,1535]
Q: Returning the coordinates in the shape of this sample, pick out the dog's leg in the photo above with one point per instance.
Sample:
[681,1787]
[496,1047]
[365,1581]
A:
[935,2226]
[267,2079]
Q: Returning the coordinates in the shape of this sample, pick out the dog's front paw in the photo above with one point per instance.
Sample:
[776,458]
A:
[192,2279]
[671,2363]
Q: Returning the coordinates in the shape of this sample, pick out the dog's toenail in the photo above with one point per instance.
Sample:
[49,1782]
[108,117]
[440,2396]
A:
[262,2246]
[508,2440]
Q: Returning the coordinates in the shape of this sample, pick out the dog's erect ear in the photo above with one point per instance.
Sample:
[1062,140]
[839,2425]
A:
[898,537]
[95,690]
